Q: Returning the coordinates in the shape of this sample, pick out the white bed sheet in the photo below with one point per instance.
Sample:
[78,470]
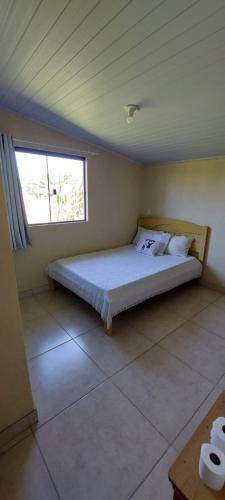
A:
[114,280]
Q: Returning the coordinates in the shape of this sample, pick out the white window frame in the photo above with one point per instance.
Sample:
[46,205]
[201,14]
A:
[46,152]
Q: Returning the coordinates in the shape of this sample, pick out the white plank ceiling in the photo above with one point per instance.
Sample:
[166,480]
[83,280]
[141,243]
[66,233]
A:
[74,64]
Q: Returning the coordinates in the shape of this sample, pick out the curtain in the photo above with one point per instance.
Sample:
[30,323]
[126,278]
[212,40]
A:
[18,227]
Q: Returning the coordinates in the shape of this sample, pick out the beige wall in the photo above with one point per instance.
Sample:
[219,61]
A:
[114,188]
[192,191]
[15,393]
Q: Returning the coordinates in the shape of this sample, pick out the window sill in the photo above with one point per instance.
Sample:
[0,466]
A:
[41,224]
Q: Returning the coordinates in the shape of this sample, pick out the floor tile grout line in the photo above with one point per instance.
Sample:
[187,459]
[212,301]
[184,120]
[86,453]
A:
[214,385]
[138,332]
[189,320]
[48,350]
[91,359]
[207,329]
[138,409]
[37,426]
[195,412]
[158,345]
[61,343]
[95,328]
[172,442]
[121,369]
[58,345]
[51,313]
[106,379]
[70,334]
[185,320]
[164,336]
[157,342]
[109,377]
[205,307]
[151,470]
[200,310]
[186,364]
[46,466]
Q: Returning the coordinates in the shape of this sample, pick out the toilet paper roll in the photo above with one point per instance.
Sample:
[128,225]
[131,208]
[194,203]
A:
[217,436]
[212,466]
[220,421]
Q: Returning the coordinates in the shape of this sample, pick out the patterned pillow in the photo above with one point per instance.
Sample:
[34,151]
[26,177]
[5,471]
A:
[148,246]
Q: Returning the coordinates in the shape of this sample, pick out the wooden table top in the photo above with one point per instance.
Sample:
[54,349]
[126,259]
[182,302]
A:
[184,472]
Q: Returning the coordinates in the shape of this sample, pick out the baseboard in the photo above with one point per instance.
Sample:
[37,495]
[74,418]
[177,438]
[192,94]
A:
[33,291]
[213,286]
[11,432]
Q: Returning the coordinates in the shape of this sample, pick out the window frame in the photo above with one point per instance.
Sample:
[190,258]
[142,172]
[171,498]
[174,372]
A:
[30,150]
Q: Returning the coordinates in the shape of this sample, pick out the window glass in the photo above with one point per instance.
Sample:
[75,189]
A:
[34,181]
[53,186]
[66,189]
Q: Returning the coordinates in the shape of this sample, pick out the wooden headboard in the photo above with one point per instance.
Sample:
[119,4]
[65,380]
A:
[180,227]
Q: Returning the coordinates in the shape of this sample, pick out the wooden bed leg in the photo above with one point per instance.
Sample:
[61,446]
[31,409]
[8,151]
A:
[108,330]
[51,283]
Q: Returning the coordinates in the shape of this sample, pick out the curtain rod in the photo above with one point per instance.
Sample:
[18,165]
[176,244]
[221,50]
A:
[32,143]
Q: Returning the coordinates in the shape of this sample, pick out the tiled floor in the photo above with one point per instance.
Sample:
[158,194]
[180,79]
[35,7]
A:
[114,411]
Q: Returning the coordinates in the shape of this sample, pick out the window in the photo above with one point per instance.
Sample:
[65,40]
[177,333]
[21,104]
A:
[53,185]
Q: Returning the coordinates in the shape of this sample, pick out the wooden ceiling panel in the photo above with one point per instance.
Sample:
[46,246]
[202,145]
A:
[74,64]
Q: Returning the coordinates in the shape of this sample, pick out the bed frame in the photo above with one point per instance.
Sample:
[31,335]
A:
[180,227]
[173,226]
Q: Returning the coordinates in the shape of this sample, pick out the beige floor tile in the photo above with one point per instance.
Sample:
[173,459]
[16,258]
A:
[100,448]
[156,322]
[189,300]
[164,389]
[77,319]
[53,300]
[30,309]
[157,486]
[190,428]
[220,302]
[23,474]
[213,319]
[113,353]
[200,349]
[60,377]
[43,333]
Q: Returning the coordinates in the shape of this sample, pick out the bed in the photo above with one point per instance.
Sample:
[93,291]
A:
[117,279]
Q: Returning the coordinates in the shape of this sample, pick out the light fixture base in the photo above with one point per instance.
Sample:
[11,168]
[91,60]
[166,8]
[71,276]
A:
[131,109]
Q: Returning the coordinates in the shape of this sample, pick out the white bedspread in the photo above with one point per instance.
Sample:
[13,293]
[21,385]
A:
[114,280]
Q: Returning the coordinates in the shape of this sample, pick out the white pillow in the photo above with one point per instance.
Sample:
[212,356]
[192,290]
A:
[179,245]
[160,236]
[148,246]
[138,235]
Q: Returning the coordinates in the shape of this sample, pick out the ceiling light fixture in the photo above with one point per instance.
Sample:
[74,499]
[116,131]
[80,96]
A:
[131,110]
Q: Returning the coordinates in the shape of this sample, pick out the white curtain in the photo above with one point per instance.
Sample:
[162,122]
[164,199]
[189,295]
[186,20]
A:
[19,230]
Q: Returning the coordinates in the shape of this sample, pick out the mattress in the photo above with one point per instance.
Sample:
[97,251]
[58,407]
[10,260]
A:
[115,280]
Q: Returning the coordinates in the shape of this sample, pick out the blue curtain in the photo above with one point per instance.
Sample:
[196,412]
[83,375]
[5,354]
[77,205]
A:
[19,231]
